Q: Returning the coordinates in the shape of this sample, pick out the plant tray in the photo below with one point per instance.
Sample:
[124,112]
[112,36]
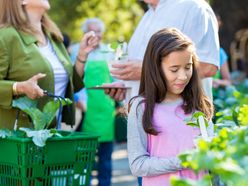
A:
[63,161]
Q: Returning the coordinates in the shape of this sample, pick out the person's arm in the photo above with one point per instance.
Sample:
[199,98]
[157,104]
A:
[80,98]
[225,74]
[201,26]
[225,78]
[140,162]
[87,44]
[207,70]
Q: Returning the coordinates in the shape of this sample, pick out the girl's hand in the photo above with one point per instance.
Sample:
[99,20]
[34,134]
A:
[30,87]
[88,43]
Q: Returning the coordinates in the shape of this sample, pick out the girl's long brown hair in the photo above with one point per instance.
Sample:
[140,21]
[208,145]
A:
[153,86]
[12,13]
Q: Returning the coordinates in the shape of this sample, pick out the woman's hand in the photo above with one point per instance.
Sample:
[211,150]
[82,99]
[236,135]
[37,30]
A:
[30,87]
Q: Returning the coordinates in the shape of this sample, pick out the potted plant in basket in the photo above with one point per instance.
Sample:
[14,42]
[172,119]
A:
[51,157]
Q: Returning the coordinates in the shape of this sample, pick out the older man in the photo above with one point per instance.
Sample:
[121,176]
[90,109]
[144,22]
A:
[194,18]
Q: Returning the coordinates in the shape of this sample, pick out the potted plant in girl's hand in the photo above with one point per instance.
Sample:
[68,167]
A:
[41,120]
[199,120]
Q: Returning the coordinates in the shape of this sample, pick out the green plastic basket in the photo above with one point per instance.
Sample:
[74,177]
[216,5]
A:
[64,161]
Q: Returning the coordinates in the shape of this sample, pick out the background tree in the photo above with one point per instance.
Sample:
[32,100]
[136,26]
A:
[120,17]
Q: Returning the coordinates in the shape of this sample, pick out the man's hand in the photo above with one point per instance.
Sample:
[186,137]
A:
[130,70]
[116,93]
[207,70]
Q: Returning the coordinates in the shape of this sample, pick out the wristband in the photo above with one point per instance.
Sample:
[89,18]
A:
[81,61]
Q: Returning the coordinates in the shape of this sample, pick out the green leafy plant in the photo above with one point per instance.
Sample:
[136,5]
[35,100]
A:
[39,137]
[226,154]
[228,108]
[175,181]
[41,119]
[199,120]
[194,120]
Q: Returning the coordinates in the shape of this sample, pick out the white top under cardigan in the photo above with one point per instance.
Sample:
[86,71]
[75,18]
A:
[60,75]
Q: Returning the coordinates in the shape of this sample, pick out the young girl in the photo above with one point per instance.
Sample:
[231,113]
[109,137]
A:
[170,91]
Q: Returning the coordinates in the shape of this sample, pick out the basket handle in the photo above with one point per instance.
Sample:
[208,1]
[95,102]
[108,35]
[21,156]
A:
[16,119]
[59,98]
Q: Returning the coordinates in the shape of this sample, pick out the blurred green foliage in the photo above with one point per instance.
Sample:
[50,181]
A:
[226,155]
[120,17]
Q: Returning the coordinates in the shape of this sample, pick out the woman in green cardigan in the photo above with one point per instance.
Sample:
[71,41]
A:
[33,59]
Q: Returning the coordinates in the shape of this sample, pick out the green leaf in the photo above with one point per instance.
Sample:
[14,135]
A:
[193,124]
[219,103]
[176,181]
[228,118]
[243,115]
[230,166]
[202,145]
[230,101]
[223,133]
[5,133]
[114,45]
[38,137]
[41,120]
[29,107]
[197,114]
[51,108]
[219,113]
[237,94]
[38,118]
[24,103]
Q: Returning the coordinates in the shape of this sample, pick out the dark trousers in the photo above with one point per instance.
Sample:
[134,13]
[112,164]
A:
[80,125]
[105,163]
[140,181]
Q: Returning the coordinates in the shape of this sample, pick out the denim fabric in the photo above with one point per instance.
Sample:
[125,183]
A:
[105,163]
[140,181]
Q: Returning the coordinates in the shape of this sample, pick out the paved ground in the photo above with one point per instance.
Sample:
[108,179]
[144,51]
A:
[121,173]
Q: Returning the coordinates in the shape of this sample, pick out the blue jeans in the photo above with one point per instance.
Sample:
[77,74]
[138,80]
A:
[104,163]
[140,181]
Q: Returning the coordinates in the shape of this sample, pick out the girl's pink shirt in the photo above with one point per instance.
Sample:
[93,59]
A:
[175,137]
